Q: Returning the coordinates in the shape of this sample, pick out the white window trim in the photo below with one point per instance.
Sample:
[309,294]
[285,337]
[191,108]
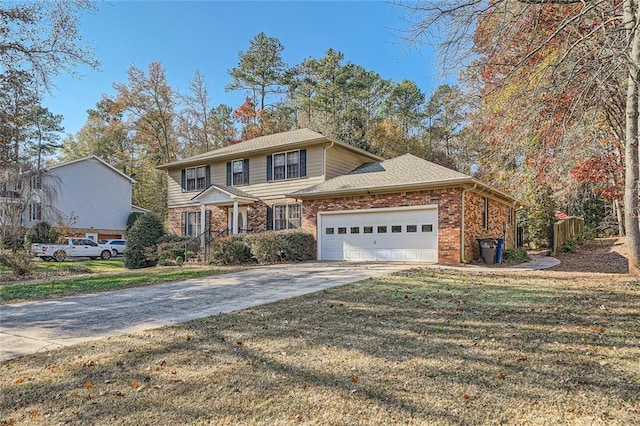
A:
[286,165]
[35,212]
[196,227]
[287,218]
[195,178]
[233,172]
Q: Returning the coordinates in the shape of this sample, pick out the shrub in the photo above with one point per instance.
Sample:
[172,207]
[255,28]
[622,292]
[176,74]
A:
[570,246]
[140,251]
[515,255]
[281,246]
[296,246]
[230,250]
[41,232]
[19,262]
[172,246]
[265,247]
[133,216]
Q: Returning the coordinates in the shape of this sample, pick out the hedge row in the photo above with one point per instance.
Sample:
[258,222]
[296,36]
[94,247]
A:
[264,247]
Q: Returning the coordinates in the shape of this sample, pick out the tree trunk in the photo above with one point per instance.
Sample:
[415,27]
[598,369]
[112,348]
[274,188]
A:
[631,143]
[617,208]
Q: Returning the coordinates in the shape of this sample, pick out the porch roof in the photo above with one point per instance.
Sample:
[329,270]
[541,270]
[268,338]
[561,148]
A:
[221,195]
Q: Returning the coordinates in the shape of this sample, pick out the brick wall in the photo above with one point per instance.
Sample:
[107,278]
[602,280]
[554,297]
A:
[174,218]
[447,200]
[498,223]
[256,215]
[103,234]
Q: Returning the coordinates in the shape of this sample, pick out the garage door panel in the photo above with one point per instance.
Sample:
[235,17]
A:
[389,235]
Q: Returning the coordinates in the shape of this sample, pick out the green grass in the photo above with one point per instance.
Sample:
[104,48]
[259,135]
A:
[103,276]
[423,347]
[97,266]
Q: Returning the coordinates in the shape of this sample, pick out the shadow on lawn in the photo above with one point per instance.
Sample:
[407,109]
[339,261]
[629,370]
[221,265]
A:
[416,343]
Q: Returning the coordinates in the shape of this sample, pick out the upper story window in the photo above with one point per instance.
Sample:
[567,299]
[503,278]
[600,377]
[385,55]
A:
[238,175]
[238,172]
[35,182]
[196,178]
[287,165]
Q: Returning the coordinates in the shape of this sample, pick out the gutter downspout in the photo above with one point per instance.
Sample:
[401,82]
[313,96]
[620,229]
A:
[462,241]
[318,217]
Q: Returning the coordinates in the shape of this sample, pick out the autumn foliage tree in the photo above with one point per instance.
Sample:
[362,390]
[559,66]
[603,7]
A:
[548,71]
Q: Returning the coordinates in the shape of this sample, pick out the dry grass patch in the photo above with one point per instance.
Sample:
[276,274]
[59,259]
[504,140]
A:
[423,347]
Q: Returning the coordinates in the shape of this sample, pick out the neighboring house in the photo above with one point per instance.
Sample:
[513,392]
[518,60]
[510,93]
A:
[357,205]
[87,196]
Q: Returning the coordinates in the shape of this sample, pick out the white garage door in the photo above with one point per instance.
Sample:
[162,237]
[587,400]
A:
[405,234]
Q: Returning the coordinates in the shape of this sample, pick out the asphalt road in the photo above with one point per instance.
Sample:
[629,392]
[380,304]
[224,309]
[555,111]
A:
[31,327]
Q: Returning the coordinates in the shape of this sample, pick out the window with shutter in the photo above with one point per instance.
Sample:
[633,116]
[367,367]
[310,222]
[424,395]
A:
[194,178]
[287,165]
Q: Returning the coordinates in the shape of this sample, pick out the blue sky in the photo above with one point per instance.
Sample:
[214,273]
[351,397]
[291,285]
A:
[207,35]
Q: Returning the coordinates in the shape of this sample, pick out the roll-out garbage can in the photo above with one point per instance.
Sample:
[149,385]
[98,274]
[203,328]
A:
[488,250]
[499,250]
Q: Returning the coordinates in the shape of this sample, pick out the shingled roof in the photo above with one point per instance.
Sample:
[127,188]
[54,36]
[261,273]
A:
[282,140]
[404,172]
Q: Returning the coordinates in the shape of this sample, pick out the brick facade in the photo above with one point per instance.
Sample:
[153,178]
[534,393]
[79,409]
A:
[499,223]
[256,215]
[449,217]
[447,200]
[218,218]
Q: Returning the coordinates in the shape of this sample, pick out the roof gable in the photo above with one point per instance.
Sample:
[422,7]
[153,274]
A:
[91,158]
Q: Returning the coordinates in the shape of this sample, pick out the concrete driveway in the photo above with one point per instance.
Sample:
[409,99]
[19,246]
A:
[31,327]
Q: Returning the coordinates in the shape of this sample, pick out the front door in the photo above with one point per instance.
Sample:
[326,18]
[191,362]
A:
[242,219]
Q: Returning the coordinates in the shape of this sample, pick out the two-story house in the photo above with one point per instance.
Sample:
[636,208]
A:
[86,196]
[358,206]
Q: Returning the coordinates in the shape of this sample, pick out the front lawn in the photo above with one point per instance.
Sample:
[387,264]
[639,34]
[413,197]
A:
[77,277]
[422,347]
[94,266]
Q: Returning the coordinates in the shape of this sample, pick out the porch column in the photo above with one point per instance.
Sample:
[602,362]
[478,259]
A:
[234,223]
[203,225]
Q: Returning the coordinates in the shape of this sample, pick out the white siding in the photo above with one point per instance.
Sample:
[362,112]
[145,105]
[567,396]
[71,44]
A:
[89,195]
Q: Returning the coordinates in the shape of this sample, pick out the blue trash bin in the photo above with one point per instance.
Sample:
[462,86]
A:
[499,250]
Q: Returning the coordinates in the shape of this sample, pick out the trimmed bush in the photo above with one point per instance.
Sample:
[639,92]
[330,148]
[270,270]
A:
[230,250]
[41,232]
[172,246]
[296,246]
[515,255]
[19,262]
[264,247]
[140,251]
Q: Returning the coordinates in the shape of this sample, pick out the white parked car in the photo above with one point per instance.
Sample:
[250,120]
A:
[71,247]
[116,246]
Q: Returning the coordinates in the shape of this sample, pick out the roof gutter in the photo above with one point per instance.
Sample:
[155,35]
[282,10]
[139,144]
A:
[462,240]
[382,189]
[324,157]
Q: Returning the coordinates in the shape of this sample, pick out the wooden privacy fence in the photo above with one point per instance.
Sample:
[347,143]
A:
[566,230]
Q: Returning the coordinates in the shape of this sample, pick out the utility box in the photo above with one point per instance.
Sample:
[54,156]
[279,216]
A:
[488,250]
